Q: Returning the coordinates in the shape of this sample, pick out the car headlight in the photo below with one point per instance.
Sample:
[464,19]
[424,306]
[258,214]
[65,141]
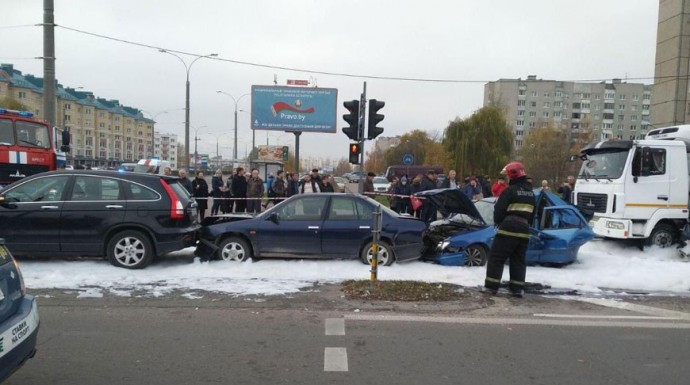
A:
[615,225]
[445,246]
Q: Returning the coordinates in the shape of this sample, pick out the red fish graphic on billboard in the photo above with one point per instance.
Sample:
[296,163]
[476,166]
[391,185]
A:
[281,106]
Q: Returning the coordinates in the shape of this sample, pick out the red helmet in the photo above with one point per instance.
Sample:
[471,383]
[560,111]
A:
[515,170]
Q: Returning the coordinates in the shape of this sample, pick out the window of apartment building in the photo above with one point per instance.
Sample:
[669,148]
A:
[645,107]
[546,94]
[609,106]
[101,125]
[521,103]
[532,124]
[141,141]
[117,119]
[519,133]
[141,133]
[117,128]
[520,123]
[545,114]
[619,136]
[129,146]
[576,106]
[103,154]
[87,122]
[609,96]
[574,126]
[534,94]
[88,132]
[636,97]
[101,115]
[621,97]
[21,95]
[521,92]
[118,145]
[532,114]
[633,127]
[646,96]
[559,94]
[586,96]
[87,111]
[89,141]
[608,116]
[89,153]
[585,105]
[621,117]
[557,104]
[633,118]
[532,104]
[621,107]
[619,127]
[67,106]
[104,143]
[521,113]
[547,104]
[597,97]
[128,139]
[557,114]
[575,115]
[644,127]
[67,118]
[632,137]
[141,148]
[518,143]
[607,126]
[101,135]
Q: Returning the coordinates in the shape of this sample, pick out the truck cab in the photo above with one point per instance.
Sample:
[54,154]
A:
[637,189]
[151,166]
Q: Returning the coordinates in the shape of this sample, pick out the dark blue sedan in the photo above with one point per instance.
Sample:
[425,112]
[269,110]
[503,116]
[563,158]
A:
[465,236]
[314,226]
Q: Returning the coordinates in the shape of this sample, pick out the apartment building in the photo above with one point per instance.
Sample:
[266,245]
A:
[104,132]
[165,148]
[615,109]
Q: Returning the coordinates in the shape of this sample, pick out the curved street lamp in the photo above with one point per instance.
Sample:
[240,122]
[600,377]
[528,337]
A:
[186,117]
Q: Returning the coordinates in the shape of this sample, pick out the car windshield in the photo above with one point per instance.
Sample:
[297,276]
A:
[604,165]
[486,210]
[380,180]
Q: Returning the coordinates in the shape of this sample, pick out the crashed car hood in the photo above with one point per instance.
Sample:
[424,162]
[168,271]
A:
[451,201]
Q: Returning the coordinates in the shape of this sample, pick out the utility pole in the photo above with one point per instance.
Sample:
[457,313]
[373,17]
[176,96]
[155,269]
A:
[49,100]
[362,114]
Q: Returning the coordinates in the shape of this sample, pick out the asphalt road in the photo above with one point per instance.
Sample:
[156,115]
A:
[318,338]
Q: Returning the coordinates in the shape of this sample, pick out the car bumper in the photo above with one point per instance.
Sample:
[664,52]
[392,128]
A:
[18,337]
[177,240]
[611,228]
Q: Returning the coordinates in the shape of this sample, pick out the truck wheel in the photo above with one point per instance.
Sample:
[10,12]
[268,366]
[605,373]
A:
[663,235]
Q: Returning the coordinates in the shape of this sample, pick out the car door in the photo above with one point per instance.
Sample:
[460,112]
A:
[30,216]
[346,227]
[95,205]
[559,234]
[295,230]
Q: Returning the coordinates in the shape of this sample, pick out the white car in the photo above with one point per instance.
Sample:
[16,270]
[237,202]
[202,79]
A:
[381,184]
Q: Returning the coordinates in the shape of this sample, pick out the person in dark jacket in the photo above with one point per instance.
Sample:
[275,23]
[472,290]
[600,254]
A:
[200,192]
[226,207]
[428,183]
[415,187]
[278,188]
[513,213]
[369,184]
[326,185]
[316,177]
[255,189]
[292,184]
[217,189]
[486,186]
[451,181]
[184,181]
[239,190]
[402,205]
[567,188]
[309,185]
[472,190]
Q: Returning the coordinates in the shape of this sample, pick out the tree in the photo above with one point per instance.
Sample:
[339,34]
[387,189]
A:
[12,104]
[545,154]
[480,144]
[342,168]
[375,161]
[412,143]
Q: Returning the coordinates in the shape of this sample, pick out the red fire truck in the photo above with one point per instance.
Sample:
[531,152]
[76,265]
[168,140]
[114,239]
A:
[27,146]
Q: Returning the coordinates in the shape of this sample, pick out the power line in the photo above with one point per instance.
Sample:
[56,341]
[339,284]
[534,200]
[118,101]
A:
[341,74]
[19,26]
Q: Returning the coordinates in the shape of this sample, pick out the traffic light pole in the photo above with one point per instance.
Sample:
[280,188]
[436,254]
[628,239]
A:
[362,115]
[297,134]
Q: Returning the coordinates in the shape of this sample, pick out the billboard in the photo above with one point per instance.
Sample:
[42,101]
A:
[273,153]
[282,108]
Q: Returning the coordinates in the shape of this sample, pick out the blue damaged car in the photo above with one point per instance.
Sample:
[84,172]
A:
[465,235]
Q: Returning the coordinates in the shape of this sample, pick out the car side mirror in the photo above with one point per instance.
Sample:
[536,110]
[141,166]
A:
[273,217]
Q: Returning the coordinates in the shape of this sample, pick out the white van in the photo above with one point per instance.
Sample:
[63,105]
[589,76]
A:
[151,166]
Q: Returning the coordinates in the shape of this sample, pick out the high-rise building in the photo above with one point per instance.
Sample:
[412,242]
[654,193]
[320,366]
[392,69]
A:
[104,133]
[615,109]
[672,67]
[165,148]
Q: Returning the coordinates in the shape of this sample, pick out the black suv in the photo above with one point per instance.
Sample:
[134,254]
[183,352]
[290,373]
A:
[127,217]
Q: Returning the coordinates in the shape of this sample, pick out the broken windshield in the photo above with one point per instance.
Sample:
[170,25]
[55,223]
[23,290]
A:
[604,165]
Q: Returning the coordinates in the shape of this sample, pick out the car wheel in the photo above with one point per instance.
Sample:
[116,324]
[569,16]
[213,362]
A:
[385,253]
[130,249]
[234,249]
[476,255]
[663,235]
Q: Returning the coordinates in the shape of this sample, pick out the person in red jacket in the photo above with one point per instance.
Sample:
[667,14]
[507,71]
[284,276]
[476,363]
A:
[498,186]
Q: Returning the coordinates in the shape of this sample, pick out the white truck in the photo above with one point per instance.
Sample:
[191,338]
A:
[151,166]
[637,189]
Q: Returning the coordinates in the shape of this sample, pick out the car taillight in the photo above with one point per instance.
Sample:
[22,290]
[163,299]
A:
[176,208]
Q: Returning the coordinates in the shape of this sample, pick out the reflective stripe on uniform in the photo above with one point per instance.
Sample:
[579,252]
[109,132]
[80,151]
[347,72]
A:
[524,207]
[494,280]
[513,234]
[517,283]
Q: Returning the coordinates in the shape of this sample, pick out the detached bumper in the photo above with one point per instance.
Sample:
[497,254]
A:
[18,337]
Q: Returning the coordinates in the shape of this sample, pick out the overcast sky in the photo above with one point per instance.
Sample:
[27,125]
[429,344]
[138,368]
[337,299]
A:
[476,40]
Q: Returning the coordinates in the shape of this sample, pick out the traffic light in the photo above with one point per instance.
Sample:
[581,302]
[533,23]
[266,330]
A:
[352,119]
[374,118]
[355,150]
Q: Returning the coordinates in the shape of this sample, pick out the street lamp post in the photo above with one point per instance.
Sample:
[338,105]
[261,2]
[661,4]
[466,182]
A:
[236,101]
[186,104]
[217,136]
[196,154]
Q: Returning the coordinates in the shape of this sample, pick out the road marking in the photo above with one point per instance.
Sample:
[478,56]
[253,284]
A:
[634,307]
[335,326]
[518,321]
[584,316]
[335,360]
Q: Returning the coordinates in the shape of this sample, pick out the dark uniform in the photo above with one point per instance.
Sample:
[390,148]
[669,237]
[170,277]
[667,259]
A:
[513,213]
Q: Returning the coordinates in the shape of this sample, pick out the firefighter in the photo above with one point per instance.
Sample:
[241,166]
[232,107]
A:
[513,213]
